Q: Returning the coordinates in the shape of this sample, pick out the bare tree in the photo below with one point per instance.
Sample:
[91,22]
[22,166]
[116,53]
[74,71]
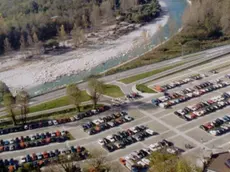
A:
[98,162]
[160,34]
[35,38]
[7,46]
[29,40]
[9,103]
[107,12]
[22,42]
[95,17]
[22,101]
[96,89]
[127,4]
[74,95]
[225,17]
[172,26]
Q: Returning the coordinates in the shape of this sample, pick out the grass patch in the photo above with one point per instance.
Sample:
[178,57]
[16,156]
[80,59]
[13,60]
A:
[172,49]
[63,101]
[49,116]
[144,89]
[147,74]
[112,91]
[69,135]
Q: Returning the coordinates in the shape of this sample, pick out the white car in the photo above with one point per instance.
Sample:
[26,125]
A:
[111,124]
[128,118]
[155,147]
[96,122]
[133,130]
[55,122]
[146,161]
[39,155]
[63,133]
[101,142]
[110,138]
[33,137]
[72,119]
[141,163]
[12,141]
[214,132]
[94,111]
[22,160]
[172,151]
[50,122]
[150,132]
[53,134]
[100,121]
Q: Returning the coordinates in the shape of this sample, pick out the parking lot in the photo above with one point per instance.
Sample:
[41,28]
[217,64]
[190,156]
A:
[164,122]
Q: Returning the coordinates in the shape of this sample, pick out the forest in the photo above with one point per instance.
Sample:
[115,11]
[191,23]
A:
[24,23]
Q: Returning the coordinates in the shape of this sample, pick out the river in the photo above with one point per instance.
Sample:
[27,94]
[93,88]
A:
[175,10]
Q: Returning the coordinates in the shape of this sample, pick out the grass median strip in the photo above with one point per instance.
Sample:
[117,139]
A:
[147,74]
[144,89]
[62,101]
[112,91]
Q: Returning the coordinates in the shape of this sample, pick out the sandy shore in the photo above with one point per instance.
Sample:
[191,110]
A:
[30,74]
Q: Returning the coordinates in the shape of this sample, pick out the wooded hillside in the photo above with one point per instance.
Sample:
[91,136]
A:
[27,22]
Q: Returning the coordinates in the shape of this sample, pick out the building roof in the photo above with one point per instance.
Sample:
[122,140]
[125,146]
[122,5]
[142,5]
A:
[217,163]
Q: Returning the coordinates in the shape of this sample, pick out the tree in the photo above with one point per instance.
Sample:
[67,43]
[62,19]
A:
[78,36]
[22,101]
[7,46]
[107,12]
[74,95]
[3,88]
[9,103]
[172,26]
[29,40]
[161,161]
[160,34]
[96,89]
[98,162]
[35,38]
[62,33]
[95,17]
[127,4]
[22,42]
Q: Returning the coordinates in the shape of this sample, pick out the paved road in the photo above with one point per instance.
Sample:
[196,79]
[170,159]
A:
[205,55]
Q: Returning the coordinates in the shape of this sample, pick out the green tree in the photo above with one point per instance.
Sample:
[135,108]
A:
[62,33]
[78,36]
[74,95]
[3,88]
[161,161]
[96,89]
[22,101]
[9,103]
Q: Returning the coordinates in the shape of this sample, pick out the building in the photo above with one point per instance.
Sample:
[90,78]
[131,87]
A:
[218,163]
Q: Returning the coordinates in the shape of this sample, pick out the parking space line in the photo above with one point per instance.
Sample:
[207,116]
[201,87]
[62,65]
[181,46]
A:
[173,129]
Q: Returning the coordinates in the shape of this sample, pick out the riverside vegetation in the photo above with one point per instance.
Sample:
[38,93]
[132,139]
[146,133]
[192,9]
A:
[206,24]
[27,23]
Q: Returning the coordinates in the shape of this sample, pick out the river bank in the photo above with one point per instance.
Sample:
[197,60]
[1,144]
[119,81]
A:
[33,73]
